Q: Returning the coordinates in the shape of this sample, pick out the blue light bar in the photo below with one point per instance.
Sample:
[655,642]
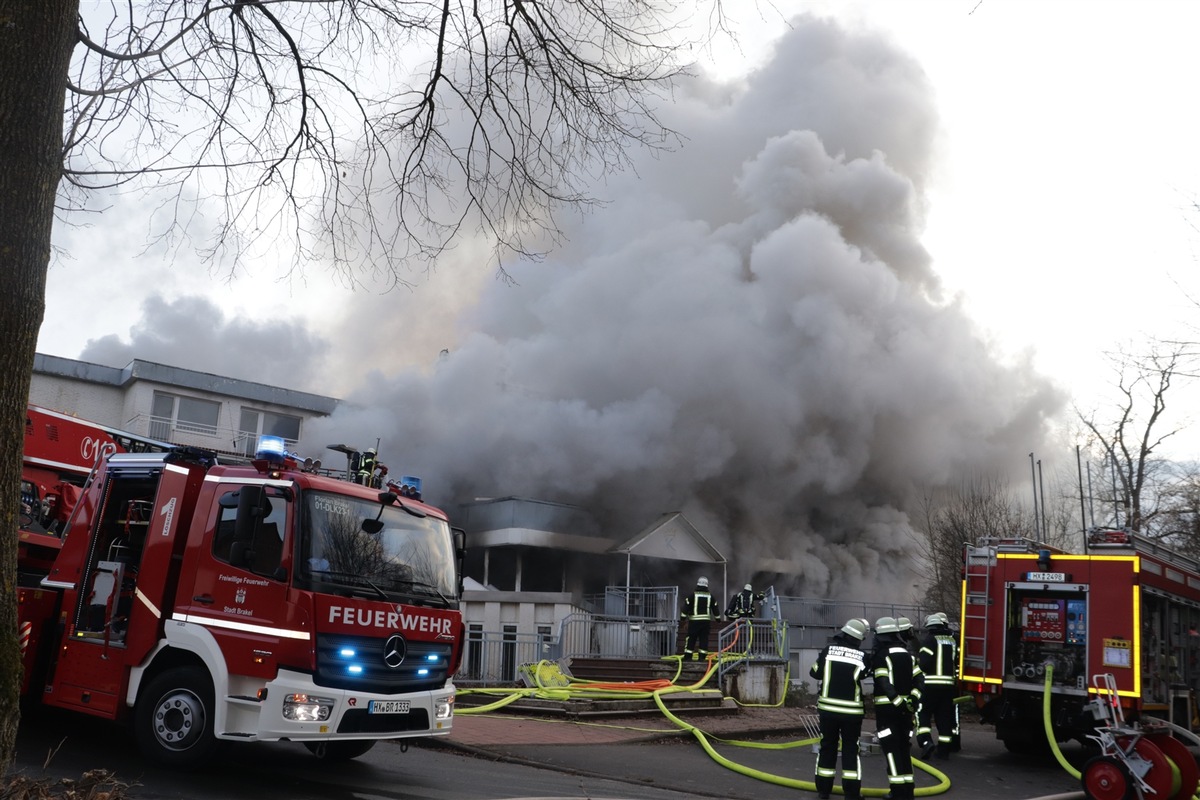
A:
[422,672]
[347,652]
[410,486]
[431,657]
[354,669]
[270,448]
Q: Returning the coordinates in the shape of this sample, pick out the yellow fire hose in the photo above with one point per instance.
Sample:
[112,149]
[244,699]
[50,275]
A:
[552,684]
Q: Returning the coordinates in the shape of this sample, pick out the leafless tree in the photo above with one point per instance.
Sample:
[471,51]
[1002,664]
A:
[1179,521]
[1129,440]
[977,508]
[361,134]
[985,507]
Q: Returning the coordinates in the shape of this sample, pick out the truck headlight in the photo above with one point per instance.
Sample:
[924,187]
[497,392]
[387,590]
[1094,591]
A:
[307,708]
[443,708]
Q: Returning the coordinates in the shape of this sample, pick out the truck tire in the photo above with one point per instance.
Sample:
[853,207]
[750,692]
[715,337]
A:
[173,721]
[339,750]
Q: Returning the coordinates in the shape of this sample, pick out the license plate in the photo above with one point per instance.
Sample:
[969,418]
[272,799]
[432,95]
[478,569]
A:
[388,707]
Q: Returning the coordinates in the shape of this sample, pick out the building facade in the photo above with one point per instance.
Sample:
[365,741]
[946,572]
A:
[175,405]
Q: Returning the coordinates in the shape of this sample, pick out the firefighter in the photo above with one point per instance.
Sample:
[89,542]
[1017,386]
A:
[367,467]
[839,671]
[743,605]
[698,610]
[938,659]
[897,691]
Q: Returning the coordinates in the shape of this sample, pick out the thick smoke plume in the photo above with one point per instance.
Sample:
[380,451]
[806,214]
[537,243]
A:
[750,332]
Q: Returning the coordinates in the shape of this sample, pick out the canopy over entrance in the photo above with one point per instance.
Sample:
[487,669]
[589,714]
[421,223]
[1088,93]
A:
[672,537]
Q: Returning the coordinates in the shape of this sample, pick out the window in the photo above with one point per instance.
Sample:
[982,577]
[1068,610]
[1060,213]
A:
[265,423]
[263,551]
[183,415]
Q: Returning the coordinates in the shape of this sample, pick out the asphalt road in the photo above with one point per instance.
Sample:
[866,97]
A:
[983,770]
[661,770]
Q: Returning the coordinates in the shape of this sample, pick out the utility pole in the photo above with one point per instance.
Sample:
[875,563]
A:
[1082,508]
[1033,479]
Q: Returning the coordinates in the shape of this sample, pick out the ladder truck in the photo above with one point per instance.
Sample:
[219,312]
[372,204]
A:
[202,603]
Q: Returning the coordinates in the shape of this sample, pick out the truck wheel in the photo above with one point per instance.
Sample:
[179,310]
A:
[339,750]
[1106,778]
[173,721]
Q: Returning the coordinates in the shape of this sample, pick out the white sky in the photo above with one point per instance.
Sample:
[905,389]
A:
[1061,210]
[1064,207]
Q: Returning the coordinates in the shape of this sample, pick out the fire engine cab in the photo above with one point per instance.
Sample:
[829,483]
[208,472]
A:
[203,602]
[1128,607]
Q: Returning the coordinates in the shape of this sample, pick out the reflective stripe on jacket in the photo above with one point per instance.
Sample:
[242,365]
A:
[939,658]
[840,669]
[897,675]
[699,606]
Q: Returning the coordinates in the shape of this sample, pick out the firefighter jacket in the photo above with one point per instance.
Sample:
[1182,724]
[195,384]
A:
[699,606]
[742,605]
[938,656]
[898,677]
[840,669]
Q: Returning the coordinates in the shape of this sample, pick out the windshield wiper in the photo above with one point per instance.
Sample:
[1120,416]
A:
[353,578]
[423,585]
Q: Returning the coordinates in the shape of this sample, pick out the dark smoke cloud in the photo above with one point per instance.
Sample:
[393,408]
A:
[194,332]
[750,332]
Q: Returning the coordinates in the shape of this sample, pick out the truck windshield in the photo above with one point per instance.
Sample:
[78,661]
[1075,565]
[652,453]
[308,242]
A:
[411,558]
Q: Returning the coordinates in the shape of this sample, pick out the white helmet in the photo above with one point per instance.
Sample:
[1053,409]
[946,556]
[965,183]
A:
[886,625]
[856,628]
[935,619]
[748,587]
[903,624]
[702,583]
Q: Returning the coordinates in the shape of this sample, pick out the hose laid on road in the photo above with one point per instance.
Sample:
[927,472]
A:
[574,688]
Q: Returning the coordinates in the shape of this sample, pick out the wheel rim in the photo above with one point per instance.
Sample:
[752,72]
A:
[178,720]
[1106,780]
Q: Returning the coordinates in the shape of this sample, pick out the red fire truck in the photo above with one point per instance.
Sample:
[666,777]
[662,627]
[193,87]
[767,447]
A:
[1128,607]
[202,602]
[60,451]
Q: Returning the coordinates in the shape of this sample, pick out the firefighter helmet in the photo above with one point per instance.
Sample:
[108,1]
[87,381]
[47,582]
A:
[903,624]
[934,619]
[702,583]
[886,625]
[942,616]
[856,628]
[747,587]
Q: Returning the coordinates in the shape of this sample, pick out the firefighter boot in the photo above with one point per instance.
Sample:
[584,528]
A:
[943,751]
[824,785]
[927,749]
[852,790]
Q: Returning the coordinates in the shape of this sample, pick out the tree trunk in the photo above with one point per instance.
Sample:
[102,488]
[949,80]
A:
[36,39]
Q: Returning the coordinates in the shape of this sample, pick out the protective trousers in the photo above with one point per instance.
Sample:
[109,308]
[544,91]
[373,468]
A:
[937,709]
[893,726]
[846,730]
[697,637]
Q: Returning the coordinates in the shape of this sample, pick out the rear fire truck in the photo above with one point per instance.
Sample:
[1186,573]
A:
[202,602]
[1128,607]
